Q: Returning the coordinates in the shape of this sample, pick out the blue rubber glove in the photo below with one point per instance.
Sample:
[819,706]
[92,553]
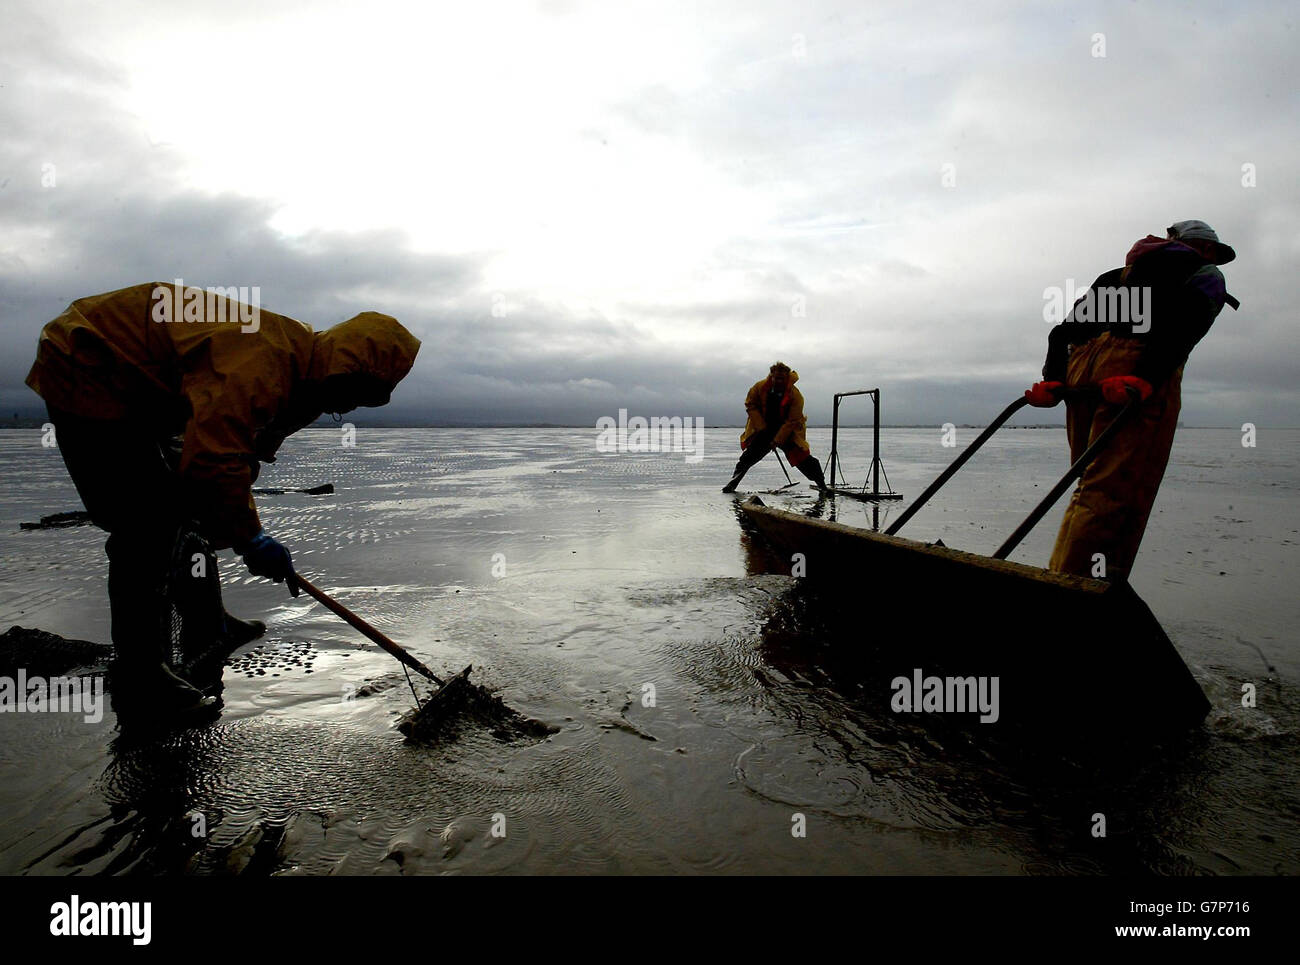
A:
[264,556]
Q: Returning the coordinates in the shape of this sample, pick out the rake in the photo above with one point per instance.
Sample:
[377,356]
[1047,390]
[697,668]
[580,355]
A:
[434,704]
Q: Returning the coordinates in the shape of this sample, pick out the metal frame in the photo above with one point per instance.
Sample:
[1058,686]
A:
[877,467]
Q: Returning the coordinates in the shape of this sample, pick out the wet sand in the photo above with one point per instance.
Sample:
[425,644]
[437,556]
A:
[623,571]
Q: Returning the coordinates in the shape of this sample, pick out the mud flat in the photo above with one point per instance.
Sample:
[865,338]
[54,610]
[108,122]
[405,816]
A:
[693,699]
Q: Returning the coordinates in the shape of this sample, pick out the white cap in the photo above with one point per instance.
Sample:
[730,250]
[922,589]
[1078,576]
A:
[1200,231]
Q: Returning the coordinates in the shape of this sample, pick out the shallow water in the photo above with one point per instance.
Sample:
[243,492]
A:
[627,571]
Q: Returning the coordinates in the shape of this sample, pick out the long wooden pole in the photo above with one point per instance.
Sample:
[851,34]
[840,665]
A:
[401,653]
[1075,472]
[957,463]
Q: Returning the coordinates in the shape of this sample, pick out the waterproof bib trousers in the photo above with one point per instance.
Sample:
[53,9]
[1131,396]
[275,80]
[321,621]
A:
[1110,506]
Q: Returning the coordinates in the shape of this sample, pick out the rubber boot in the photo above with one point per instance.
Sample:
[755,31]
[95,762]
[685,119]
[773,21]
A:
[812,468]
[209,627]
[237,632]
[153,692]
[142,684]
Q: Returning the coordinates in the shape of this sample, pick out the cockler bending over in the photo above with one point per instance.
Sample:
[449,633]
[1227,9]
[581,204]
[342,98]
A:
[162,423]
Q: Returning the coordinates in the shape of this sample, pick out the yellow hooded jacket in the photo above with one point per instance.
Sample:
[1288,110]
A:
[790,434]
[229,386]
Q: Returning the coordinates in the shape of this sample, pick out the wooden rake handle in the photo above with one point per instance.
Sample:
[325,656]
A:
[401,653]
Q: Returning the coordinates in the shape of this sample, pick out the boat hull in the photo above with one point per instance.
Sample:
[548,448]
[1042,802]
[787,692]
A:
[1072,655]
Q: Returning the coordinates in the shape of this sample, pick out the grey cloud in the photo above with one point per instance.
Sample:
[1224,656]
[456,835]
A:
[933,293]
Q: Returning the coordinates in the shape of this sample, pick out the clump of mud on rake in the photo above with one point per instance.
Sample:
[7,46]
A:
[458,705]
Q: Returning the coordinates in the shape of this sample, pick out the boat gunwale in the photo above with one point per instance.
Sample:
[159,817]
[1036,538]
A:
[755,508]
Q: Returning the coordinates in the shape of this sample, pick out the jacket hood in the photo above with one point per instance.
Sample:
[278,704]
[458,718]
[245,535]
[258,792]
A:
[369,343]
[1150,243]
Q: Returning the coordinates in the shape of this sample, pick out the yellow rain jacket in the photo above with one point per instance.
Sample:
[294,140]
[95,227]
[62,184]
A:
[790,433]
[187,361]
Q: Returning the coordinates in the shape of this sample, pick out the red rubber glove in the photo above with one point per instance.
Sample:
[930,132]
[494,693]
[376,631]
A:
[1043,394]
[1115,389]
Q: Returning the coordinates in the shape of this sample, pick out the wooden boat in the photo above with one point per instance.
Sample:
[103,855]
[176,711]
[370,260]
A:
[1073,655]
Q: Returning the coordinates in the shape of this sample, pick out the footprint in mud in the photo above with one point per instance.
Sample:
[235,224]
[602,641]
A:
[274,659]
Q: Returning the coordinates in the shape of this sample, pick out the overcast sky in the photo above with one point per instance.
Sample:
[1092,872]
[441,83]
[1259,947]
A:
[581,207]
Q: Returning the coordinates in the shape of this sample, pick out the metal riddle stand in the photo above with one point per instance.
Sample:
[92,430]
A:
[877,467]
